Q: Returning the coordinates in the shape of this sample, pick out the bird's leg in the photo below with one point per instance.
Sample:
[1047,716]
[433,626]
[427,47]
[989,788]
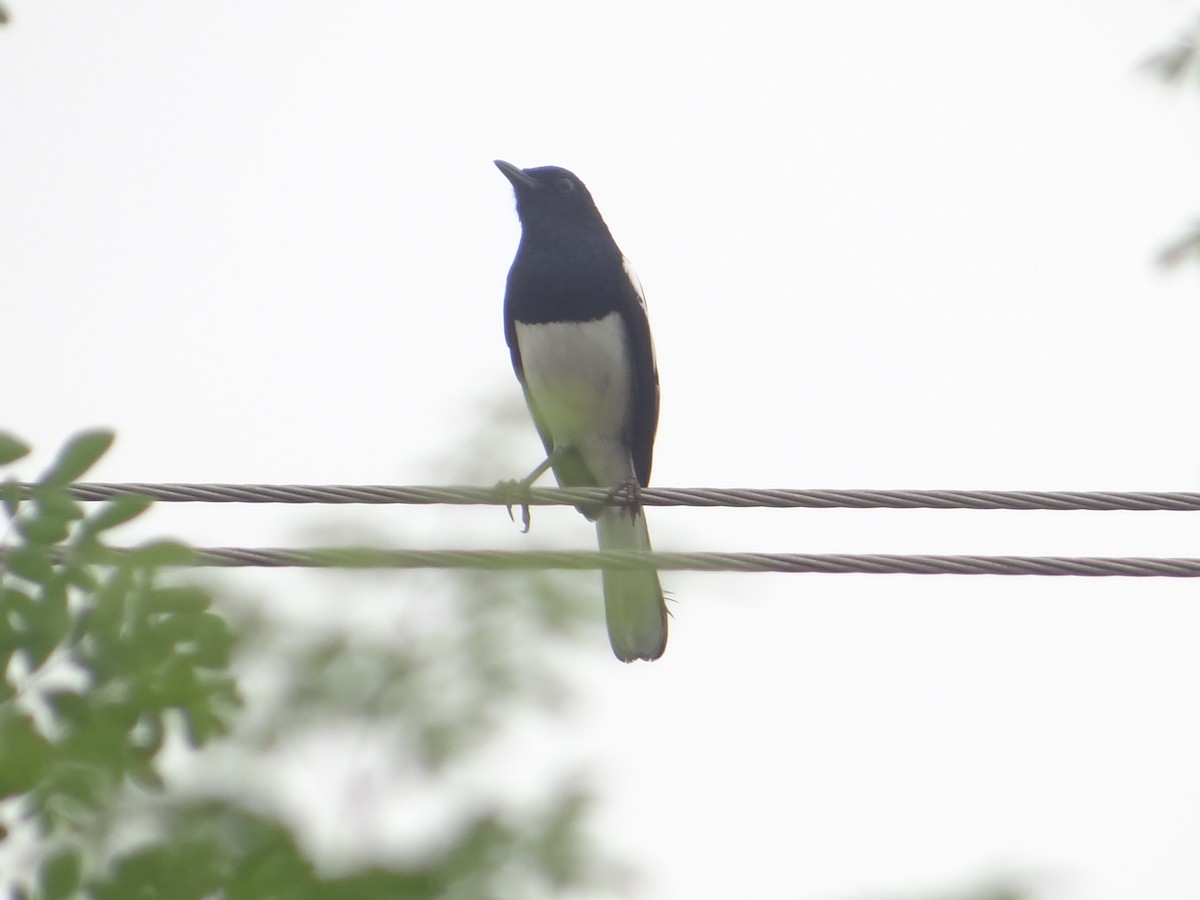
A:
[538,471]
[629,493]
[519,490]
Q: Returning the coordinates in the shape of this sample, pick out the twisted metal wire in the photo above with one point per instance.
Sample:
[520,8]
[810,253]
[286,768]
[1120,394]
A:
[512,494]
[828,563]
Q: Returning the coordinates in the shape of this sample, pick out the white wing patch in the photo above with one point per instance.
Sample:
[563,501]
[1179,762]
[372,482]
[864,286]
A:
[633,279]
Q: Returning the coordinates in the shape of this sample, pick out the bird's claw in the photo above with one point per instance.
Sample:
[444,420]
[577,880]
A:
[627,495]
[516,493]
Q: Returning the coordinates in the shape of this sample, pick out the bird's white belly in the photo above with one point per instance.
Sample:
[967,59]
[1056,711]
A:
[579,378]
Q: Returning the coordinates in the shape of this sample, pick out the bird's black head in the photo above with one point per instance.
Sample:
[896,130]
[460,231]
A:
[549,192]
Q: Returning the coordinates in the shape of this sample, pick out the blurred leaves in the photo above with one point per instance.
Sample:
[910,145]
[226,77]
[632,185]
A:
[97,655]
[1184,248]
[109,661]
[217,847]
[1180,64]
[1180,61]
[443,686]
[11,449]
[83,452]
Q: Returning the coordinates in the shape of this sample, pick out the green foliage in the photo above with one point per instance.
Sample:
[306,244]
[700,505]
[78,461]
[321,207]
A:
[1179,63]
[73,462]
[11,449]
[442,687]
[96,656]
[1183,249]
[107,661]
[217,847]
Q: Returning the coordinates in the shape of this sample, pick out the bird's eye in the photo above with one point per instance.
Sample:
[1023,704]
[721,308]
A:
[565,185]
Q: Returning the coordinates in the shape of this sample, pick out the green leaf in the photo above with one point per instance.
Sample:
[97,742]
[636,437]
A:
[214,642]
[49,622]
[70,793]
[80,577]
[70,706]
[118,511]
[45,530]
[11,449]
[142,773]
[60,874]
[201,725]
[144,649]
[161,553]
[15,610]
[32,563]
[146,736]
[24,753]
[10,496]
[80,454]
[11,598]
[111,601]
[58,503]
[86,550]
[178,600]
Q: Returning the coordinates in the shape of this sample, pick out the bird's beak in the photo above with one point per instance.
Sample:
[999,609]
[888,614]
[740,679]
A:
[518,178]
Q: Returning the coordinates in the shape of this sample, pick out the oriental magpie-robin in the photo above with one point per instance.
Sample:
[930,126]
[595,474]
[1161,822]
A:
[575,321]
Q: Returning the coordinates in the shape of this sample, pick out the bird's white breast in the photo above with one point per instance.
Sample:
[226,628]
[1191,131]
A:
[579,376]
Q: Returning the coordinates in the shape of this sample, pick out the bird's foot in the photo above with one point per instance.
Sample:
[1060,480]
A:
[627,495]
[516,493]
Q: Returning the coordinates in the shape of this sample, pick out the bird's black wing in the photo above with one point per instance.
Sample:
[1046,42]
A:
[644,422]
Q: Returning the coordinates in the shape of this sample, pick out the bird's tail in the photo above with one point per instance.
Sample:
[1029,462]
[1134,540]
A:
[633,598]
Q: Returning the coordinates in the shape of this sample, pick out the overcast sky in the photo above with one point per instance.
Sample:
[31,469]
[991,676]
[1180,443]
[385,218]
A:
[885,245]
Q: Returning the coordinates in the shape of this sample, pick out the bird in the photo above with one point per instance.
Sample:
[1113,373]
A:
[577,329]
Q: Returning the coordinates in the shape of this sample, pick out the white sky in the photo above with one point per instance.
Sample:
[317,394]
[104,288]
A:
[885,244]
